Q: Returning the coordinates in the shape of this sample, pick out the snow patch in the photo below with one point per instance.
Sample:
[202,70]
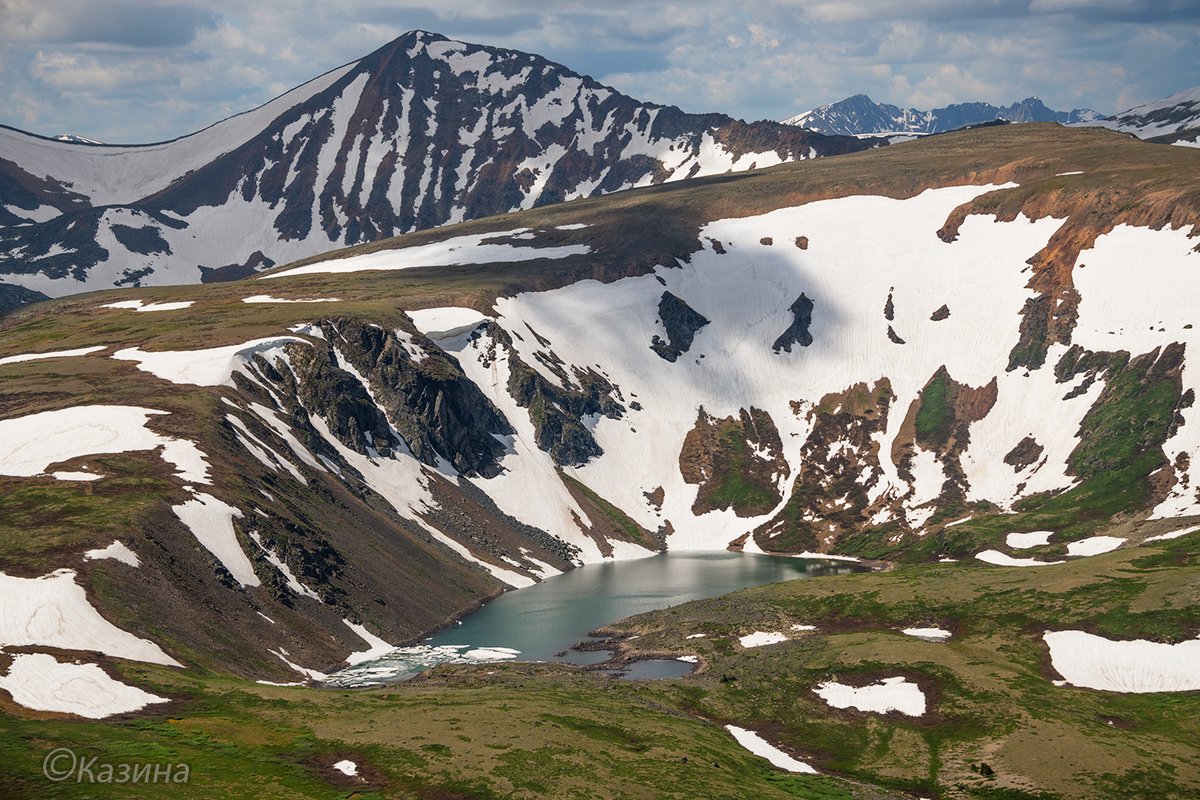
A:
[761,747]
[210,367]
[30,444]
[1023,541]
[117,551]
[53,611]
[1166,537]
[211,522]
[1094,546]
[891,694]
[79,351]
[1135,667]
[761,638]
[138,305]
[266,298]
[935,634]
[43,683]
[1005,560]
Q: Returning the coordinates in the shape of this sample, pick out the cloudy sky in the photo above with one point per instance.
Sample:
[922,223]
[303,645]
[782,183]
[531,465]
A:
[147,70]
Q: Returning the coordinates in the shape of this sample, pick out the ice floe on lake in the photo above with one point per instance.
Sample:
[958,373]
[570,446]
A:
[404,662]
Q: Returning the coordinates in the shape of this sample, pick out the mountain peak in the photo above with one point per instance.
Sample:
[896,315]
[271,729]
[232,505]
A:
[858,114]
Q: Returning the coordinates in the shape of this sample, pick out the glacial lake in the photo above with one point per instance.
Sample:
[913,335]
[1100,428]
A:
[540,622]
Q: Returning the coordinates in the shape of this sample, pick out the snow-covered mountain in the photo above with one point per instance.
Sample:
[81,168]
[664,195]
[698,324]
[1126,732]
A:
[907,354]
[422,132]
[1167,117]
[860,114]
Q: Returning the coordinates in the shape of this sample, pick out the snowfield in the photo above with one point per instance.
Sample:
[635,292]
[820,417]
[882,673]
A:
[79,351]
[890,694]
[31,444]
[53,611]
[117,551]
[41,682]
[1137,667]
[211,522]
[761,639]
[761,747]
[1023,541]
[210,367]
[456,251]
[139,305]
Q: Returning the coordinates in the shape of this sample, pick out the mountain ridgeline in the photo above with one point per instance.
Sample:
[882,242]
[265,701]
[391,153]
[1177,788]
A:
[423,132]
[860,114]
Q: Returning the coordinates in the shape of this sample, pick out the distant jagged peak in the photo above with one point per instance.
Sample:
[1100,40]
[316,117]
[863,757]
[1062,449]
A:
[859,115]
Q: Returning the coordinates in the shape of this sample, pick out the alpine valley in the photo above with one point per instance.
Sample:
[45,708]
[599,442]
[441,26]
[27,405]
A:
[606,329]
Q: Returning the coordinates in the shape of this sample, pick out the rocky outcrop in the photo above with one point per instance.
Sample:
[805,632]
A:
[557,411]
[737,463]
[798,331]
[681,322]
[841,457]
[14,297]
[432,405]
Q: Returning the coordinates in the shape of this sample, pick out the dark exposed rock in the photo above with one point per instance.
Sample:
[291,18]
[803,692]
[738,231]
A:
[802,242]
[234,272]
[766,241]
[1027,452]
[798,332]
[841,460]
[889,309]
[941,314]
[895,337]
[14,297]
[556,412]
[681,322]
[146,240]
[338,397]
[432,405]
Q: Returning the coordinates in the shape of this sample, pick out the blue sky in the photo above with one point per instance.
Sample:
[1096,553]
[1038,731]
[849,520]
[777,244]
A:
[145,70]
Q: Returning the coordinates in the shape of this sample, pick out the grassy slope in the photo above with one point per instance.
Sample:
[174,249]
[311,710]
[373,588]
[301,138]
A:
[546,731]
[993,699]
